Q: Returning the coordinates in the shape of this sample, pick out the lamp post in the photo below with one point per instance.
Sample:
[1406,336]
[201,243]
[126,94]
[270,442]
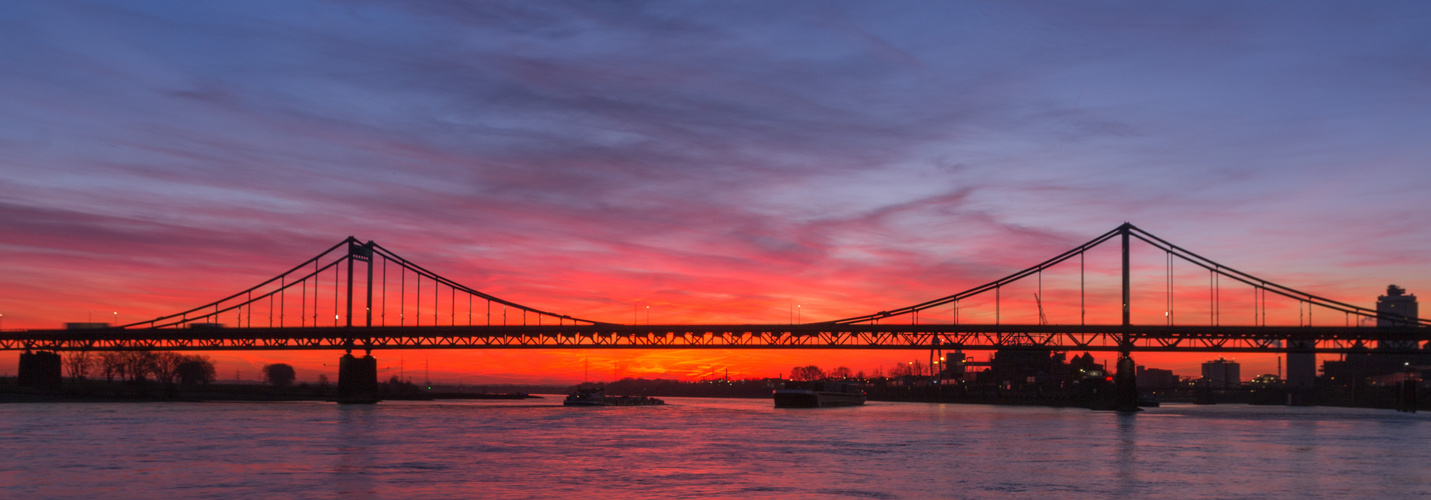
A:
[798,318]
[116,319]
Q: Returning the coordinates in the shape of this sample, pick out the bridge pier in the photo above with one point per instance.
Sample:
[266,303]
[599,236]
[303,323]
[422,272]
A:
[1406,397]
[1125,385]
[1125,382]
[1301,371]
[357,379]
[40,370]
[1406,392]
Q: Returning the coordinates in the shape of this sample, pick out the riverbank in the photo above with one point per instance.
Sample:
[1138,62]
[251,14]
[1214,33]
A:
[149,391]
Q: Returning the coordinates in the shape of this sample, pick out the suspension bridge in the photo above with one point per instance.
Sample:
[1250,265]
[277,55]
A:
[361,295]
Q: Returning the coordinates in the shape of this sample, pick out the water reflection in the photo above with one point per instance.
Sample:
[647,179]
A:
[703,448]
[353,437]
[1127,460]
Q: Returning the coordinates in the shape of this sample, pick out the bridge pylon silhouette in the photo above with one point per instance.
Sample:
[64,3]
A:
[390,302]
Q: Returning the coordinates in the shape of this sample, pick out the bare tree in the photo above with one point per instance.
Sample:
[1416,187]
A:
[138,364]
[909,369]
[165,366]
[901,370]
[804,373]
[111,364]
[196,370]
[79,364]
[840,372]
[279,374]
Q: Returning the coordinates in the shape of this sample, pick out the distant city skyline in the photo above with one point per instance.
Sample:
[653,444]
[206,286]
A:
[715,164]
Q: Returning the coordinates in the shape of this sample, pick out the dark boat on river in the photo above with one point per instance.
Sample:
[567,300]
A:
[819,394]
[597,397]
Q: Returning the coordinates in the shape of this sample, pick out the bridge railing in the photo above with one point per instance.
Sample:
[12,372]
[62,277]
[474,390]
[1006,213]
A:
[1224,339]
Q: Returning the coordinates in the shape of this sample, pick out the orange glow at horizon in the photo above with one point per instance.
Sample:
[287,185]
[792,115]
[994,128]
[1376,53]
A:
[158,158]
[706,297]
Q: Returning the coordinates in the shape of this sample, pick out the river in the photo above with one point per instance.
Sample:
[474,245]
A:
[705,448]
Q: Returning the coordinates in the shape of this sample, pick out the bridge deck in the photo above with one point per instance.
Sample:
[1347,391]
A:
[811,336]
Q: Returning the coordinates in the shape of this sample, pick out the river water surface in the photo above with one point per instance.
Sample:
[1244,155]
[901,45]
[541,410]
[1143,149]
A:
[704,448]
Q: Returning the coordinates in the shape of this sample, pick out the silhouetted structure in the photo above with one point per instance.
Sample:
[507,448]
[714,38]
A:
[1301,364]
[1155,378]
[39,369]
[357,379]
[1396,308]
[416,308]
[1222,374]
[1363,367]
[954,366]
[1024,367]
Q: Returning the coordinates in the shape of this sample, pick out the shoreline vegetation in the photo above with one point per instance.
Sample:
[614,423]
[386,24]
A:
[153,391]
[169,376]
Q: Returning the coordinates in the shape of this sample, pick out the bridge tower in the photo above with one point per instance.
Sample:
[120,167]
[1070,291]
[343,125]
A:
[1125,384]
[358,377]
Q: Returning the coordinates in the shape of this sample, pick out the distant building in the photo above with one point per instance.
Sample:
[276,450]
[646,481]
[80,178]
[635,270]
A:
[1222,374]
[1361,365]
[1301,366]
[954,366]
[1266,380]
[1023,366]
[1394,309]
[1154,378]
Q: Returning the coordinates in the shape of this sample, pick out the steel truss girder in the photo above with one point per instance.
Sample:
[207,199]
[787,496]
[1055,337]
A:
[813,336]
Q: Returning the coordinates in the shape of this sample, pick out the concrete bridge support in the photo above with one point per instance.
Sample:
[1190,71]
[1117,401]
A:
[1125,382]
[1125,385]
[1406,397]
[357,379]
[1301,372]
[40,370]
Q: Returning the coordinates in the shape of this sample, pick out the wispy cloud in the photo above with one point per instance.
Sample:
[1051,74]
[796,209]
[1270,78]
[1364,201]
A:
[720,162]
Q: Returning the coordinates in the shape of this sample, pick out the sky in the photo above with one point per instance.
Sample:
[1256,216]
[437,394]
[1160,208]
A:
[717,162]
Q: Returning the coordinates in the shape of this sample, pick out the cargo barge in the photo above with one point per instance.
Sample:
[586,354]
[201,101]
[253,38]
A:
[819,394]
[598,397]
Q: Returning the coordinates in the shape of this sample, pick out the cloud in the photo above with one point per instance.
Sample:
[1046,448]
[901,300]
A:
[720,162]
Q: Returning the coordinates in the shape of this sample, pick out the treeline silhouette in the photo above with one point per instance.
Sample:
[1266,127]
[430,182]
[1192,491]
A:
[723,388]
[283,375]
[812,372]
[137,366]
[160,376]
